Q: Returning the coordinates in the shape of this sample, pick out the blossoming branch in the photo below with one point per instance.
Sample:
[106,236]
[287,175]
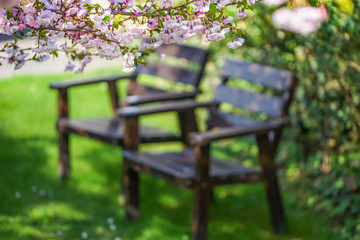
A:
[81,29]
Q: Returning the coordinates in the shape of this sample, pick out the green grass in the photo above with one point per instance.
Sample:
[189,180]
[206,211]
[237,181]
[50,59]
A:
[34,204]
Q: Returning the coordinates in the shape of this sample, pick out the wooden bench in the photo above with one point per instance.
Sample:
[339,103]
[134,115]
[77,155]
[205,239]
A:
[194,167]
[185,76]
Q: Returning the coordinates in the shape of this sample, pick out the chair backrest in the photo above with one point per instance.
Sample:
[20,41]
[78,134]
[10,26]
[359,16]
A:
[252,92]
[181,70]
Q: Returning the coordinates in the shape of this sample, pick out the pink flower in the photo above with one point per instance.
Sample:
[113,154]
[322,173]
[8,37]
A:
[128,62]
[162,56]
[43,58]
[166,3]
[227,20]
[304,20]
[69,67]
[241,15]
[22,26]
[274,2]
[80,23]
[153,23]
[236,43]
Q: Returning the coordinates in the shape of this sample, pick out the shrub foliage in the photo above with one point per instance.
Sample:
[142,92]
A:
[326,113]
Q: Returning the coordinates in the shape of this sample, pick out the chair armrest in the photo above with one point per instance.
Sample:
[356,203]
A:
[165,107]
[167,96]
[206,138]
[80,82]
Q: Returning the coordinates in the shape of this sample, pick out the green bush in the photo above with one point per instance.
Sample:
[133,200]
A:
[326,113]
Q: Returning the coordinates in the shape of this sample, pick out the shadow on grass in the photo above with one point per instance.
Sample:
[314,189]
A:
[240,212]
[36,205]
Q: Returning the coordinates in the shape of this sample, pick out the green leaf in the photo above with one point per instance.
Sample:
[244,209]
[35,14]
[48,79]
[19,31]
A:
[251,7]
[142,61]
[43,32]
[346,5]
[141,7]
[9,14]
[239,31]
[184,15]
[191,7]
[106,18]
[22,33]
[160,23]
[313,3]
[116,24]
[212,8]
[135,62]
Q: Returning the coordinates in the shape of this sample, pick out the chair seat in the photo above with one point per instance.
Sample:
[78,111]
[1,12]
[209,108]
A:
[179,168]
[111,130]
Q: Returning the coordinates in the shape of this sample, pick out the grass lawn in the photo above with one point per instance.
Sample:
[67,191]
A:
[34,204]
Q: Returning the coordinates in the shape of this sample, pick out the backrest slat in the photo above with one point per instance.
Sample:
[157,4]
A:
[219,119]
[170,73]
[268,76]
[181,51]
[137,89]
[185,66]
[255,102]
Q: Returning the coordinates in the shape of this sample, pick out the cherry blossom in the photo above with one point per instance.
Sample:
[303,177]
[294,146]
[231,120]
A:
[303,20]
[241,15]
[236,43]
[274,2]
[81,29]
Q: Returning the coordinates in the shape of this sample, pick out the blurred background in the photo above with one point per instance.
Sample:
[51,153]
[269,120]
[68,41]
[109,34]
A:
[319,157]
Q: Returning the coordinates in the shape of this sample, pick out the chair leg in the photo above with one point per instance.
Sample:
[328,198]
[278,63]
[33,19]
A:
[188,124]
[201,212]
[131,192]
[271,184]
[212,195]
[64,161]
[276,207]
[201,194]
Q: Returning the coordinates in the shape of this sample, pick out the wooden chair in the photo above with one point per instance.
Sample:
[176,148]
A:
[195,168]
[183,75]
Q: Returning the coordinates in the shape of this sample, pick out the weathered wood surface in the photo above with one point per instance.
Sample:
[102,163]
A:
[171,73]
[239,131]
[182,51]
[219,119]
[111,129]
[165,107]
[197,169]
[158,97]
[179,168]
[202,190]
[266,155]
[255,102]
[81,82]
[265,75]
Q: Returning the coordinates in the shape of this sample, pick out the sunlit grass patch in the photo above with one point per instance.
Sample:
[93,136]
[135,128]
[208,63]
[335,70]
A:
[35,204]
